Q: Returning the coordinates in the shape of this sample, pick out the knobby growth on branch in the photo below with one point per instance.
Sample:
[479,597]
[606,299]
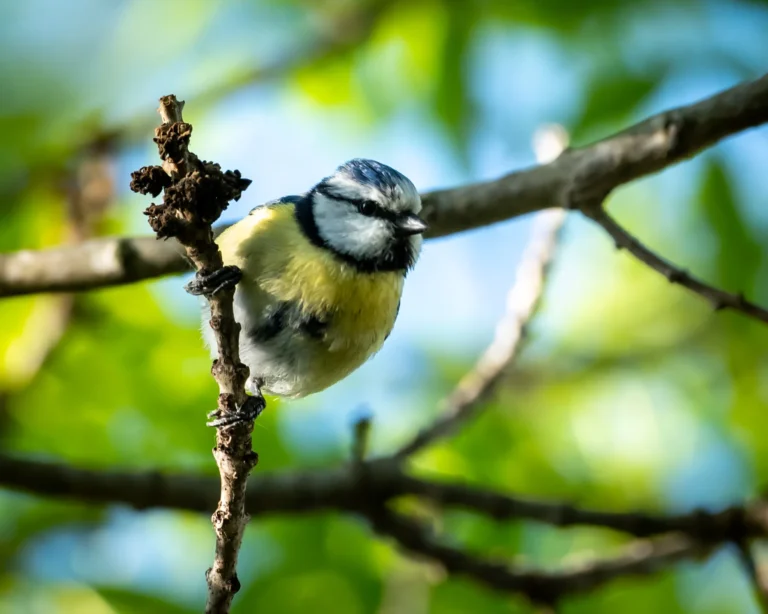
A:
[195,193]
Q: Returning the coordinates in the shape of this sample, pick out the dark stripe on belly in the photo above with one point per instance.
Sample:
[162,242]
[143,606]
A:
[313,327]
[274,321]
[284,315]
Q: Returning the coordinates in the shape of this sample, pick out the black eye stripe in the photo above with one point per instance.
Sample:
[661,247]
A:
[371,209]
[366,207]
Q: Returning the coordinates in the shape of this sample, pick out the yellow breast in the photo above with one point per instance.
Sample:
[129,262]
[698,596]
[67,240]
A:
[280,264]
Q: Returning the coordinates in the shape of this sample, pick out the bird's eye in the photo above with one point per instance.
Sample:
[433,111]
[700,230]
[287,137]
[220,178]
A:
[367,207]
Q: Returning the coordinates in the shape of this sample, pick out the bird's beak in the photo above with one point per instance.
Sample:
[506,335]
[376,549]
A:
[410,224]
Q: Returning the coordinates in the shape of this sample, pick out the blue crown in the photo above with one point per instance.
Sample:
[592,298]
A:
[374,173]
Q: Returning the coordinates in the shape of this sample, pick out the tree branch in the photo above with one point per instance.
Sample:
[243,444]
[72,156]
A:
[195,194]
[592,171]
[544,587]
[754,573]
[522,301]
[97,263]
[364,487]
[310,491]
[719,298]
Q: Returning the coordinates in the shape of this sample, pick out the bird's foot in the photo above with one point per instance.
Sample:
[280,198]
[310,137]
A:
[253,385]
[248,412]
[224,278]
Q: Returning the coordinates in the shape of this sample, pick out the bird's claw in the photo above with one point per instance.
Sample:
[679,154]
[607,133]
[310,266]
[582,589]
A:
[224,278]
[248,412]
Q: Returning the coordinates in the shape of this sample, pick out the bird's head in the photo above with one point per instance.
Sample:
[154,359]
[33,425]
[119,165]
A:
[367,213]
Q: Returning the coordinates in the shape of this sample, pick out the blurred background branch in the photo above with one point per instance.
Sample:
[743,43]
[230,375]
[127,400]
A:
[630,395]
[474,388]
[581,175]
[675,275]
[339,488]
[342,490]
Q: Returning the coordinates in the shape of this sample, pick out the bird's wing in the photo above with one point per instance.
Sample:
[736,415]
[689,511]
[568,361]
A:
[285,200]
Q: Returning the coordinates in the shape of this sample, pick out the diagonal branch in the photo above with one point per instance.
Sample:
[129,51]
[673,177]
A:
[754,573]
[522,301]
[719,298]
[545,587]
[721,525]
[480,382]
[656,143]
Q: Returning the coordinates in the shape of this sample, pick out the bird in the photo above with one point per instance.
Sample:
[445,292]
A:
[318,280]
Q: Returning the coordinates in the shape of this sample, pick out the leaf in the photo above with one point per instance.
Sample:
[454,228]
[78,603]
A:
[452,94]
[330,82]
[563,16]
[738,255]
[26,518]
[612,97]
[128,602]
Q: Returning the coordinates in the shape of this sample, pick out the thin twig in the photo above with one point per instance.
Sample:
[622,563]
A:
[500,506]
[645,148]
[522,301]
[195,195]
[719,298]
[541,587]
[361,435]
[754,573]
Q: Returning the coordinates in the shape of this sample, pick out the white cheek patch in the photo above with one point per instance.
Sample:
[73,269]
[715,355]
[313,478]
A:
[346,230]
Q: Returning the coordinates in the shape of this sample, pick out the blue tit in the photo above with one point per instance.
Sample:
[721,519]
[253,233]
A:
[321,276]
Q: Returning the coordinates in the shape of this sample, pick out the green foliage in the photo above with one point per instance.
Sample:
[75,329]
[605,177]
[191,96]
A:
[631,394]
[738,253]
[612,97]
[127,602]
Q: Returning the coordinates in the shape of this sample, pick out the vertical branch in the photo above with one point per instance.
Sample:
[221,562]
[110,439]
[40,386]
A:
[523,299]
[88,193]
[196,193]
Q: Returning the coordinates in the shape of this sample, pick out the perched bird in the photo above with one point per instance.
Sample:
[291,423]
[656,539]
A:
[319,278]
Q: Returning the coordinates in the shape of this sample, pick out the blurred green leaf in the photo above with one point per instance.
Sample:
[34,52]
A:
[631,595]
[452,100]
[461,595]
[739,254]
[613,94]
[32,518]
[128,602]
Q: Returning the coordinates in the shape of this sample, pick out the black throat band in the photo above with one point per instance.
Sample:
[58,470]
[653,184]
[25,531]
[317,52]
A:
[399,256]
